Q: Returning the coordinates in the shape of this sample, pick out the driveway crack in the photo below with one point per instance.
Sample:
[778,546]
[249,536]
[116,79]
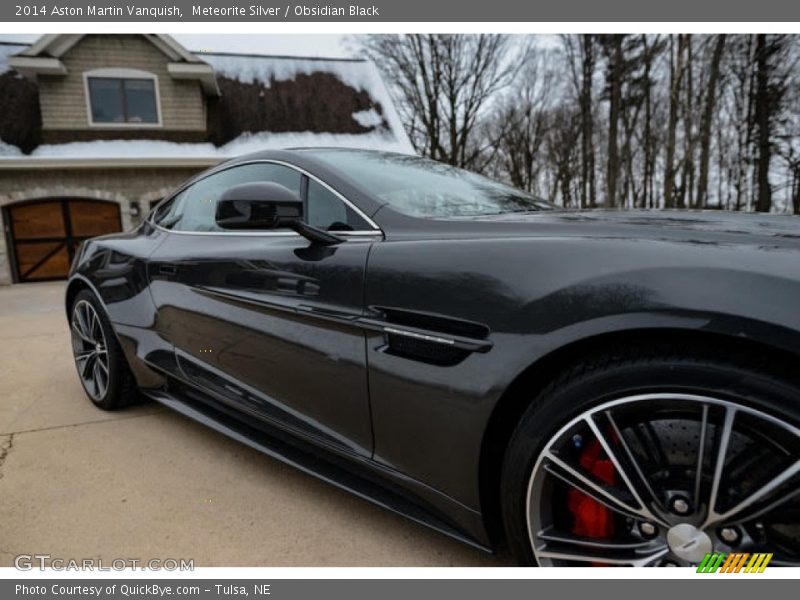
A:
[5,449]
[150,413]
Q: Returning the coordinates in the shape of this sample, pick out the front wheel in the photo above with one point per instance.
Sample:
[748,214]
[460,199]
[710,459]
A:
[101,365]
[656,461]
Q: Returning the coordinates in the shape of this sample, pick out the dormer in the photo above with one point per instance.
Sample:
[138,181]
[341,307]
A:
[118,86]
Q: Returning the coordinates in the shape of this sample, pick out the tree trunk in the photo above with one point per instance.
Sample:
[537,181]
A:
[705,125]
[796,191]
[615,92]
[763,118]
[649,154]
[587,123]
[676,76]
[687,175]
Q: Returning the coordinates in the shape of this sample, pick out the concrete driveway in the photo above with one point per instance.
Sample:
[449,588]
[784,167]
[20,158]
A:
[77,482]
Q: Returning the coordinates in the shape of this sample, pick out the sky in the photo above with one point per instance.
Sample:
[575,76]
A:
[328,45]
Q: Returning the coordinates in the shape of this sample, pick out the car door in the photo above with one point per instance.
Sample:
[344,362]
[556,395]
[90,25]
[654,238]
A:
[260,319]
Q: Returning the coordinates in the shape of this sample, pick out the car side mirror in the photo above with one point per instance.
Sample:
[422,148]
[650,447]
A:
[266,205]
[259,205]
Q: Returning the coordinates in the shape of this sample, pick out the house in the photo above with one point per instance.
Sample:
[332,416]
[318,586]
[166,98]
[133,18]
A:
[96,129]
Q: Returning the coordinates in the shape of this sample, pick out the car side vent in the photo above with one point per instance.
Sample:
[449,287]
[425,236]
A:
[428,337]
[424,351]
[434,322]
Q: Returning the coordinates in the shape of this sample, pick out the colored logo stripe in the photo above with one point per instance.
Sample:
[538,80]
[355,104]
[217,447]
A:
[711,562]
[734,562]
[758,563]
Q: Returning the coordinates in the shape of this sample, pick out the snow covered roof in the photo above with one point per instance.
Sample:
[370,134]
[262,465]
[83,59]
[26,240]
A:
[314,102]
[157,151]
[358,74]
[8,150]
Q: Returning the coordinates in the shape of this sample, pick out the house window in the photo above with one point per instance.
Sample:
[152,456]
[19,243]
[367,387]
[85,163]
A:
[122,98]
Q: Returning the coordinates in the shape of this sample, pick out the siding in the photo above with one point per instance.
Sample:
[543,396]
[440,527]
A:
[63,98]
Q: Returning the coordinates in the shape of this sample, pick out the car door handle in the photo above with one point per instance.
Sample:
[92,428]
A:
[167,269]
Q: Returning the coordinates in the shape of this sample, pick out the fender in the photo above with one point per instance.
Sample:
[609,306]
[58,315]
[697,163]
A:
[533,305]
[114,268]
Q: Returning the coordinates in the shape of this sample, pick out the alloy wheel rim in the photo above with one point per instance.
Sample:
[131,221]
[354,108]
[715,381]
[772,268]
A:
[686,474]
[89,349]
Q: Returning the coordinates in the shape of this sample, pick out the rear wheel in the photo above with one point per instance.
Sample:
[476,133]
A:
[99,360]
[656,461]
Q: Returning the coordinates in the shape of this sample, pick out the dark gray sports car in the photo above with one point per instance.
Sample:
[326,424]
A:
[603,388]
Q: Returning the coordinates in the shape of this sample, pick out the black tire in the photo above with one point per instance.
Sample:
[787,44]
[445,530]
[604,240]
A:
[121,390]
[749,381]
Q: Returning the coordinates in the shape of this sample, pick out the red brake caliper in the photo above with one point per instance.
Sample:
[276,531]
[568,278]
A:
[591,518]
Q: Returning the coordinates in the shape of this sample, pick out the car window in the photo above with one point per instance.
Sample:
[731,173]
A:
[421,187]
[194,209]
[327,211]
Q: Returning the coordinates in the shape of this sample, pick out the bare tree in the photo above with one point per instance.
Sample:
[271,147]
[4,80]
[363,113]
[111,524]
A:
[739,118]
[615,72]
[563,133]
[581,51]
[689,139]
[651,51]
[638,146]
[762,117]
[677,66]
[788,139]
[709,107]
[769,94]
[623,121]
[517,128]
[444,83]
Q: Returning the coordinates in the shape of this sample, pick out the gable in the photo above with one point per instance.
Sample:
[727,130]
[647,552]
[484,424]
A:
[63,98]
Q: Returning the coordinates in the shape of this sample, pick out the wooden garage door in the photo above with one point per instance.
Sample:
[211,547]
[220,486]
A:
[45,234]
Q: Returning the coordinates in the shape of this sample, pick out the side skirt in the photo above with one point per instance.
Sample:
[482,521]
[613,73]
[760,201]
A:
[344,474]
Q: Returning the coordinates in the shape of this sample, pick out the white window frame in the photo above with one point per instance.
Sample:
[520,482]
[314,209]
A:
[121,74]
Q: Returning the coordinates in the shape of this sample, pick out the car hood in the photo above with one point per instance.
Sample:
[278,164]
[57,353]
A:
[702,227]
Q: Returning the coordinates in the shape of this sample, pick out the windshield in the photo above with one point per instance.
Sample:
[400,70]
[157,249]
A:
[421,187]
